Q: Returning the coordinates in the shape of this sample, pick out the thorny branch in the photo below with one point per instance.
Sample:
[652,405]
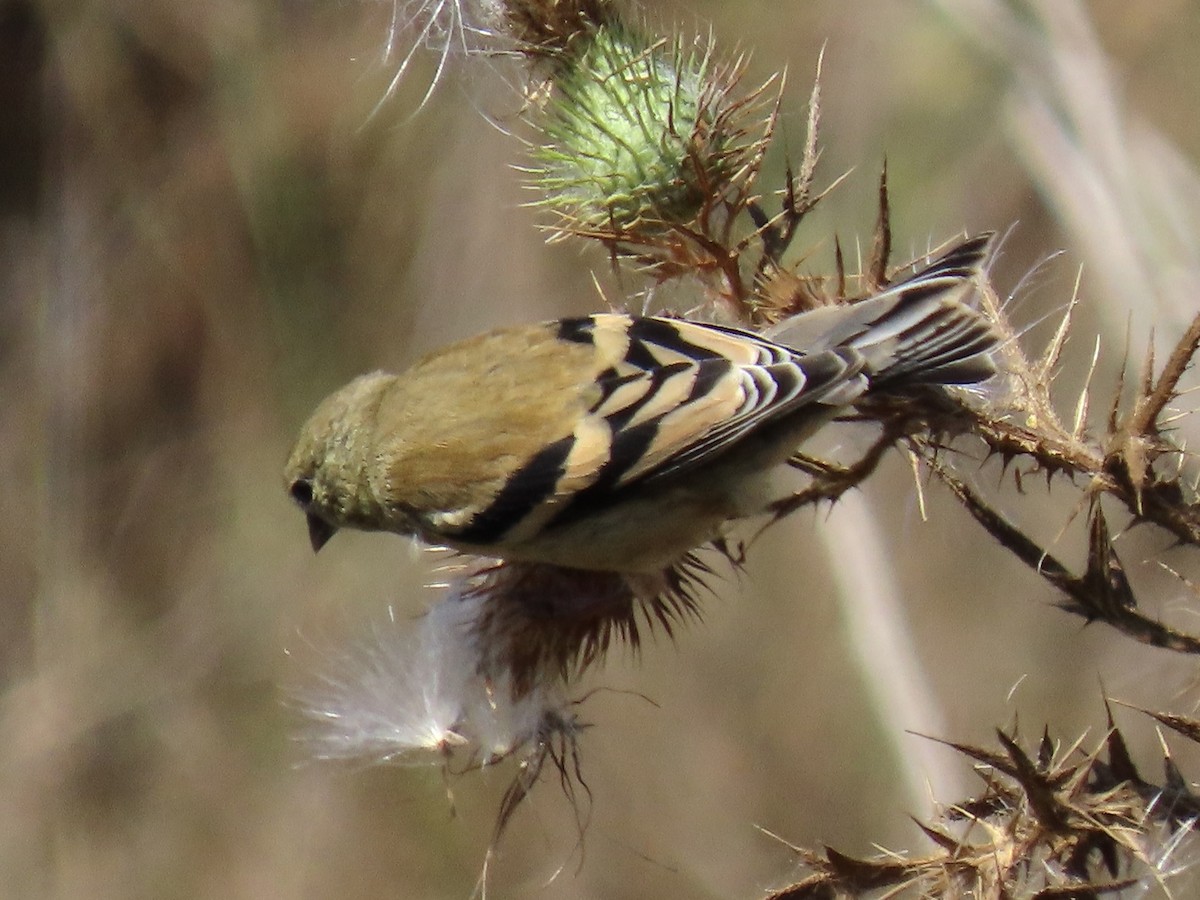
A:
[1120,464]
[1053,823]
[1102,593]
[831,480]
[1143,420]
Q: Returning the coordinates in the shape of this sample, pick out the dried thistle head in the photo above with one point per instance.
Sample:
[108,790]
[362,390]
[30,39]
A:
[551,27]
[540,623]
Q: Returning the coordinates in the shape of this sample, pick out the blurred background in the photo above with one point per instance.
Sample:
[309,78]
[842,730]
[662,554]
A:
[204,229]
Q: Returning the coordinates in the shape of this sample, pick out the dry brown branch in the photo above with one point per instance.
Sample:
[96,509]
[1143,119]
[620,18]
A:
[1145,416]
[1102,593]
[1053,823]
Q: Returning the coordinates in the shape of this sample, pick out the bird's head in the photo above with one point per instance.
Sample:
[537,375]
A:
[326,473]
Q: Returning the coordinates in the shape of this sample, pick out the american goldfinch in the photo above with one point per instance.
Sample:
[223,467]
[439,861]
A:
[615,442]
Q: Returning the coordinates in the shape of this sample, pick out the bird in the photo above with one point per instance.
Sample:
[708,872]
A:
[615,442]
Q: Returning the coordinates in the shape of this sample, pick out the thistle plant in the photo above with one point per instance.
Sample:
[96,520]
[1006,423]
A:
[653,148]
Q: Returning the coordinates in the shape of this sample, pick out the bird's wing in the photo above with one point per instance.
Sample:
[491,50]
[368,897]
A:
[670,395]
[683,392]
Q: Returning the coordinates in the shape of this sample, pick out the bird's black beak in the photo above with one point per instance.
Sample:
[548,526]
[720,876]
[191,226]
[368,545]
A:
[319,531]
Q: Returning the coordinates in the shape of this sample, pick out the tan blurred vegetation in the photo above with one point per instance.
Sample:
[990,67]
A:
[203,231]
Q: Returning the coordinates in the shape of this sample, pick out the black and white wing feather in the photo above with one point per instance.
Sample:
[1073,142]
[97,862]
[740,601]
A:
[675,393]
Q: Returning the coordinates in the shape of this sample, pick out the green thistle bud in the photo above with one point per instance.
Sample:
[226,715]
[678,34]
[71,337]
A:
[632,143]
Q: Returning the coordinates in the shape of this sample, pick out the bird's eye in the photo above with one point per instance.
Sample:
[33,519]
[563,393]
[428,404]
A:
[302,491]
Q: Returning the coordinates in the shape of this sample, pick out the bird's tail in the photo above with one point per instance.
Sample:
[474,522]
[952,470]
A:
[922,330]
